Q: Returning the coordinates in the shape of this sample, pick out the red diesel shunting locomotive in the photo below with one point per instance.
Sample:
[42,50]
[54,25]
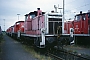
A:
[15,30]
[45,29]
[33,25]
[42,29]
[81,26]
[82,23]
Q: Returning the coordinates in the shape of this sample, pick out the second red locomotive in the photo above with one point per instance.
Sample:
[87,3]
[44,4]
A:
[81,26]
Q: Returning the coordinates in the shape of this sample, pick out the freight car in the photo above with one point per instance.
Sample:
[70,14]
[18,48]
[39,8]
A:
[81,26]
[45,29]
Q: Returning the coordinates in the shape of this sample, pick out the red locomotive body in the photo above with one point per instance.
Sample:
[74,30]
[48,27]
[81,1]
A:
[19,26]
[67,26]
[15,30]
[82,23]
[81,26]
[34,26]
[34,22]
[43,29]
[27,24]
[49,29]
[8,31]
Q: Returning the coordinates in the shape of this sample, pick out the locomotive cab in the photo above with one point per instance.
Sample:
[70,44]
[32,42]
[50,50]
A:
[53,21]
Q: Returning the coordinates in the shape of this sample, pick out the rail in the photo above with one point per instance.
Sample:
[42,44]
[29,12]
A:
[65,55]
[54,56]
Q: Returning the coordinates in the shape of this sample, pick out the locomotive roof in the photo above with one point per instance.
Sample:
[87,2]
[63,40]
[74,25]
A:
[26,15]
[19,21]
[35,12]
[83,13]
[12,26]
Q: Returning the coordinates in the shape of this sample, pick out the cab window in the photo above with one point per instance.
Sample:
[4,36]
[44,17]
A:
[33,15]
[77,18]
[83,17]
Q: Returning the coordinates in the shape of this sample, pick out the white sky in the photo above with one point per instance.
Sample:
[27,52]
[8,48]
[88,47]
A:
[10,8]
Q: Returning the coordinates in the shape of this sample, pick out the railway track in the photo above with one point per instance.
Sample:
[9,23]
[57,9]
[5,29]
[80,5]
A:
[61,54]
[76,55]
[65,55]
[54,56]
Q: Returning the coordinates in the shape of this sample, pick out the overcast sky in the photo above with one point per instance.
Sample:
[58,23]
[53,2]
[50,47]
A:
[10,8]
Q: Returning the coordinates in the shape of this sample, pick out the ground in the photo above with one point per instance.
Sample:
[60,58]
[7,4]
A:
[13,50]
[78,49]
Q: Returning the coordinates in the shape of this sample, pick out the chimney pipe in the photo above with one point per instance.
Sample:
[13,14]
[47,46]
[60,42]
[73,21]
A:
[38,8]
[80,12]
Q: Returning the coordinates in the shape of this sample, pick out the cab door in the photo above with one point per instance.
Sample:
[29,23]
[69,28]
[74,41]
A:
[77,24]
